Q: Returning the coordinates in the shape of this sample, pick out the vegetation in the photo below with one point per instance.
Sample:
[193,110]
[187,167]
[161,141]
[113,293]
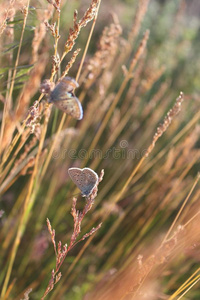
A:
[137,235]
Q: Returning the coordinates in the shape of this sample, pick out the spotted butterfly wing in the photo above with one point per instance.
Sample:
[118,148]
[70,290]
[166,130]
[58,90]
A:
[63,98]
[85,179]
[70,106]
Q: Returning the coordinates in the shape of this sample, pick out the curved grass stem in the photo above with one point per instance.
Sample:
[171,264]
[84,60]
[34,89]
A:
[8,100]
[181,209]
[28,203]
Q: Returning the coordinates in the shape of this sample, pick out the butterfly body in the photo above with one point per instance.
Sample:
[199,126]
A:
[85,179]
[63,97]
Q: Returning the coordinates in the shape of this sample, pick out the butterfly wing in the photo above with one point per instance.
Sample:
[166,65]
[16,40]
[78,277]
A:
[77,177]
[71,106]
[66,101]
[85,179]
[90,179]
[59,93]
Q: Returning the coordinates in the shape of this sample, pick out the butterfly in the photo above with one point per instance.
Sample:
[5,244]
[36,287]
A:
[64,98]
[85,179]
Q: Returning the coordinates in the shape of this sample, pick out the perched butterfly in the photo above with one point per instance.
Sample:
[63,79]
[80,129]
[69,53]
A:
[64,98]
[85,179]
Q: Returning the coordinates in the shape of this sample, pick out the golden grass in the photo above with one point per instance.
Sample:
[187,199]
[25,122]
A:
[137,235]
